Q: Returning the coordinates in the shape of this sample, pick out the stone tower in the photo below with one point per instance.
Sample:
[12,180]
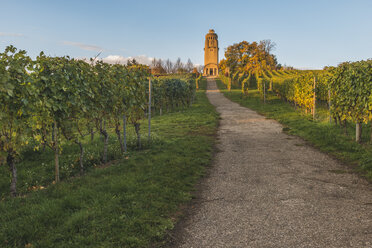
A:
[211,54]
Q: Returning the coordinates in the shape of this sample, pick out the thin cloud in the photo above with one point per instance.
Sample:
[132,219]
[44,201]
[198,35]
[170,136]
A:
[2,34]
[117,59]
[83,46]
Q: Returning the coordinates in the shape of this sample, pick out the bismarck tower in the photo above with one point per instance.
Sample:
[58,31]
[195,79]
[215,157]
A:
[211,54]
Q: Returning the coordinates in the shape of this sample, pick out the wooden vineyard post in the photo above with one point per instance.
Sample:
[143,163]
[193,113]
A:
[243,87]
[125,132]
[329,106]
[149,110]
[228,75]
[314,99]
[271,85]
[56,152]
[264,91]
[358,132]
[101,126]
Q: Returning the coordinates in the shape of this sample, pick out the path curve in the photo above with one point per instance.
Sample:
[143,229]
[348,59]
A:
[269,189]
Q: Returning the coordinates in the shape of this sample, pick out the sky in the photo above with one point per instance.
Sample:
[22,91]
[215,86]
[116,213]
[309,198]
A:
[309,34]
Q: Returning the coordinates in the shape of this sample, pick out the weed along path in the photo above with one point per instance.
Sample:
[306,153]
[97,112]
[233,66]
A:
[269,189]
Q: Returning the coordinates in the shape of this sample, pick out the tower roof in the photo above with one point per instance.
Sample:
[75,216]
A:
[211,33]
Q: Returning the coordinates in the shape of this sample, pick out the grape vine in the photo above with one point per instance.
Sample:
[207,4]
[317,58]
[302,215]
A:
[54,100]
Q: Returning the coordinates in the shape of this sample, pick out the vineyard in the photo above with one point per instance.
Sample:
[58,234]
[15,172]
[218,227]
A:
[75,150]
[80,150]
[346,90]
[51,102]
[155,124]
[321,100]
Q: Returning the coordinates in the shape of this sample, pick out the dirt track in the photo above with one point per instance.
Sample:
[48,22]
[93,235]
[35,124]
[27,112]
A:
[269,189]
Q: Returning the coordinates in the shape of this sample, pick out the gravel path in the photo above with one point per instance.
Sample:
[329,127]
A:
[269,189]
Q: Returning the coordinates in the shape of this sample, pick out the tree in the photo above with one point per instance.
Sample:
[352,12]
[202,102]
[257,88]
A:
[245,57]
[200,68]
[157,67]
[168,66]
[131,62]
[189,66]
[195,72]
[223,67]
[267,46]
[178,66]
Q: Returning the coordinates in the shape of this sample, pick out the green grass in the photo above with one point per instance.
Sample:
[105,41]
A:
[203,83]
[320,133]
[131,203]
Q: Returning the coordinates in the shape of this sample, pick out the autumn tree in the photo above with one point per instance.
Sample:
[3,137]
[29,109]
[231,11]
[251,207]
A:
[157,67]
[245,57]
[195,72]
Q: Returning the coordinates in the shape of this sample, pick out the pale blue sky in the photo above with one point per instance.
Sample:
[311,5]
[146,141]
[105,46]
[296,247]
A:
[308,34]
